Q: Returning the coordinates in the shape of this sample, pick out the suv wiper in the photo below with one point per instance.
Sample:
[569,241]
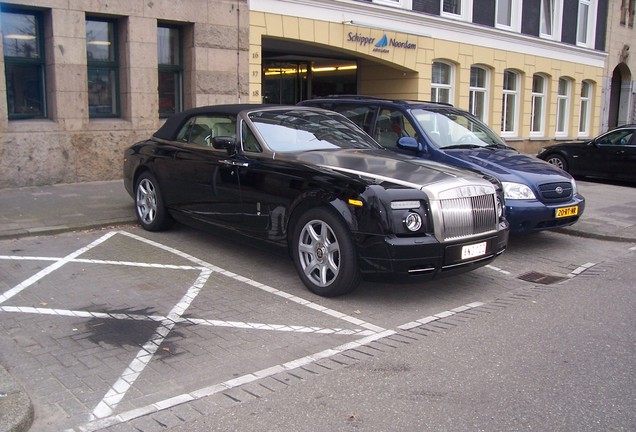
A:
[497,146]
[462,146]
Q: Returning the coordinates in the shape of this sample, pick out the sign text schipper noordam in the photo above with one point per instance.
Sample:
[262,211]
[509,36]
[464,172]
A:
[382,45]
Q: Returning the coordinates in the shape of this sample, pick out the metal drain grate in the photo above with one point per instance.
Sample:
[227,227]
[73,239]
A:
[541,278]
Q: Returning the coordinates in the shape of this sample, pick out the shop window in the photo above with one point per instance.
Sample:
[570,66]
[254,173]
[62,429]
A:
[563,107]
[510,103]
[170,59]
[551,16]
[24,63]
[508,15]
[478,93]
[103,67]
[586,23]
[585,109]
[441,82]
[539,97]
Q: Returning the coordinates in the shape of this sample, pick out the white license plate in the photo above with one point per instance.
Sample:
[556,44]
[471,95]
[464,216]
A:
[474,250]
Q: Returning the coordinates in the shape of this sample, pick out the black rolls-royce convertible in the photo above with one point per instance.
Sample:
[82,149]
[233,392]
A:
[311,180]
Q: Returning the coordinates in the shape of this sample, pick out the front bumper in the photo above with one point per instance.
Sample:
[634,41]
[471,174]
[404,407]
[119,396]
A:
[533,215]
[425,257]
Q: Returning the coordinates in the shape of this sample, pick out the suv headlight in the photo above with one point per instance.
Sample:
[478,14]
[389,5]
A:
[517,191]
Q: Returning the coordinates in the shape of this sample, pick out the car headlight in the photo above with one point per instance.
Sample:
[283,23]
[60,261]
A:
[574,188]
[517,191]
[413,221]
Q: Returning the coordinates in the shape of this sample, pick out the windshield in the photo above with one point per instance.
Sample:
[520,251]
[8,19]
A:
[454,129]
[304,130]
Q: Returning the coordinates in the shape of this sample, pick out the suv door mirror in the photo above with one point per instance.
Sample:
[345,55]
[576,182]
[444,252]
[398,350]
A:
[408,143]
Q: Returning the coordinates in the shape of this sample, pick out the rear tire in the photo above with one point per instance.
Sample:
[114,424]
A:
[151,212]
[558,161]
[324,253]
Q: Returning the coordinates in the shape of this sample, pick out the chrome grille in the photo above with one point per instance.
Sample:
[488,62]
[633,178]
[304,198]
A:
[468,216]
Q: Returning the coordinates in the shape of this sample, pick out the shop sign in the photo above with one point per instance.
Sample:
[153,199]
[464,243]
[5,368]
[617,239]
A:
[382,46]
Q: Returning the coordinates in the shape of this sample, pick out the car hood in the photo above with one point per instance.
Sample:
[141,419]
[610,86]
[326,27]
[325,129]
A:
[380,166]
[508,165]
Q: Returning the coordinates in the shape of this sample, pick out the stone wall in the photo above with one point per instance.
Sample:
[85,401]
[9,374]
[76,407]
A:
[68,146]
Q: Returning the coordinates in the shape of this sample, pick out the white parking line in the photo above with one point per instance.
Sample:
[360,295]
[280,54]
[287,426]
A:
[42,273]
[104,412]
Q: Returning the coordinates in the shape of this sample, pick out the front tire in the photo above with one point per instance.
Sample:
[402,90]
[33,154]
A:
[324,253]
[151,212]
[558,161]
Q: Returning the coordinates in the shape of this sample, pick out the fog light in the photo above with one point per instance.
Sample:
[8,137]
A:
[413,222]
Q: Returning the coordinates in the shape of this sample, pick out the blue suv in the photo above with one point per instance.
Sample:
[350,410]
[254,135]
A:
[538,195]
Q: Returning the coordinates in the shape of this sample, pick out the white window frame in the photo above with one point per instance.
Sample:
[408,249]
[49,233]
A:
[515,94]
[543,96]
[557,19]
[466,12]
[585,108]
[589,32]
[515,15]
[401,4]
[473,90]
[563,105]
[444,86]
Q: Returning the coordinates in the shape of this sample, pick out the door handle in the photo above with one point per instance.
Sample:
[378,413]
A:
[234,163]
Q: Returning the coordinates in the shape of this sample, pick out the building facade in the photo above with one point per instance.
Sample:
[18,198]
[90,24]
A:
[81,80]
[531,69]
[619,82]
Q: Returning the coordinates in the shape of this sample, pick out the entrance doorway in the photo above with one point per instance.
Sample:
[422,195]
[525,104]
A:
[292,82]
[295,71]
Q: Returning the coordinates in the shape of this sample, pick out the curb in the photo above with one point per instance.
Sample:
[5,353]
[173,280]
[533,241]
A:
[16,408]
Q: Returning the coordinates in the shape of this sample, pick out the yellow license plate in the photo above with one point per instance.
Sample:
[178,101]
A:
[567,211]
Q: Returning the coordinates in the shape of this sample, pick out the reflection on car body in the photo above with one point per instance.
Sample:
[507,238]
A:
[311,180]
[535,192]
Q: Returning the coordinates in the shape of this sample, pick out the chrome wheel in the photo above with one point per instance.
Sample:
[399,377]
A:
[151,212]
[319,253]
[557,161]
[146,201]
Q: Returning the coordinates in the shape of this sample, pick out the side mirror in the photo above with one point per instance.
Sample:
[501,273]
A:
[412,144]
[225,143]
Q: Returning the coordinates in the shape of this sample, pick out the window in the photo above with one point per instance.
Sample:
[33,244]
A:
[537,120]
[390,126]
[508,15]
[459,9]
[478,93]
[24,63]
[586,23]
[627,12]
[510,103]
[441,82]
[584,114]
[550,26]
[103,67]
[169,55]
[563,107]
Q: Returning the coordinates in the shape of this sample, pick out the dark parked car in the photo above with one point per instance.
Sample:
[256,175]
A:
[537,196]
[311,180]
[611,155]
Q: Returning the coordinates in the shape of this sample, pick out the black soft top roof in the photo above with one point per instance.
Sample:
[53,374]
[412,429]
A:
[171,127]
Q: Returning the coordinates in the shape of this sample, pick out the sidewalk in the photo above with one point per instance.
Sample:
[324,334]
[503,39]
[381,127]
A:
[610,214]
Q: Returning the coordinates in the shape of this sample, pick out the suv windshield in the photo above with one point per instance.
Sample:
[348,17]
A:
[454,129]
